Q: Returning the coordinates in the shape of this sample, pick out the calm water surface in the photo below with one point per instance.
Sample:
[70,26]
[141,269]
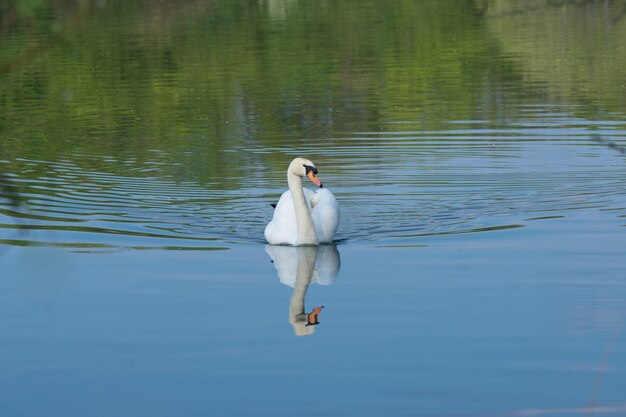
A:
[478,153]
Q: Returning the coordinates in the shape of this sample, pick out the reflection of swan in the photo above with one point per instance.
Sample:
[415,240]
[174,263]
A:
[298,267]
[303,217]
[288,259]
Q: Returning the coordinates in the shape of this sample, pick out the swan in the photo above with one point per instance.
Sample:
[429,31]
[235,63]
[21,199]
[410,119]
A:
[303,217]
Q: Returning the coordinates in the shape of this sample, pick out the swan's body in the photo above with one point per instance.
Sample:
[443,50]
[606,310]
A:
[303,217]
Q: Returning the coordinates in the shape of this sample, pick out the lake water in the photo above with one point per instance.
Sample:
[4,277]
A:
[478,153]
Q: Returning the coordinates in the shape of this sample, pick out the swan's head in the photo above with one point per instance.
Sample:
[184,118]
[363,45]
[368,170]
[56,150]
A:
[302,167]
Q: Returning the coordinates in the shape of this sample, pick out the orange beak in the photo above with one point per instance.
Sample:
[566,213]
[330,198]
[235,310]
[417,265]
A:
[313,178]
[312,317]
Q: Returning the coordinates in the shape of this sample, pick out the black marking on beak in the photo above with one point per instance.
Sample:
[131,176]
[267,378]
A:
[310,168]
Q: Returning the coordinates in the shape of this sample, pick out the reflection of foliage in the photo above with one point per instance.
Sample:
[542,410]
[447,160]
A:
[41,25]
[199,79]
[9,191]
[502,8]
[202,77]
[574,48]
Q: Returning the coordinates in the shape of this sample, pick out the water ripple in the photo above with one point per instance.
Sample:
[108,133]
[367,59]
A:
[401,184]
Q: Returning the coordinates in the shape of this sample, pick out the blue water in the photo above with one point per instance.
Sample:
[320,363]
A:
[498,323]
[479,264]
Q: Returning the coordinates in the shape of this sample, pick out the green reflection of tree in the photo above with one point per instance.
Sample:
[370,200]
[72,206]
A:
[573,49]
[205,77]
[205,81]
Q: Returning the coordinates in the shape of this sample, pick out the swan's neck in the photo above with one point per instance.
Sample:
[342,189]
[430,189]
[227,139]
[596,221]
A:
[306,229]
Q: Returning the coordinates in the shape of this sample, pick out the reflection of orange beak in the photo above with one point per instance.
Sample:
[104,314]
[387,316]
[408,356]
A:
[312,317]
[313,178]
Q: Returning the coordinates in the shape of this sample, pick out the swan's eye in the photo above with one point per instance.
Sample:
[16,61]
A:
[309,168]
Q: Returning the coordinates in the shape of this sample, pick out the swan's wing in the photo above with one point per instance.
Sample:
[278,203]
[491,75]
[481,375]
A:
[325,215]
[283,229]
[313,197]
[310,198]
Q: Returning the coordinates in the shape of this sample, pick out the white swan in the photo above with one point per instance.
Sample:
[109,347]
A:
[303,217]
